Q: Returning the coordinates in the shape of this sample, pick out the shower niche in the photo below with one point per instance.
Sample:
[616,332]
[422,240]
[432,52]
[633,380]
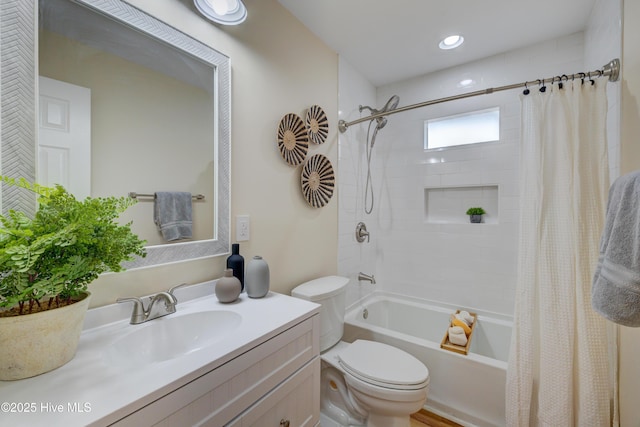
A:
[448,205]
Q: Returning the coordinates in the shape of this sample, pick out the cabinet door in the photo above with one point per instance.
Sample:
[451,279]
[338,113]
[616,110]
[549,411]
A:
[294,403]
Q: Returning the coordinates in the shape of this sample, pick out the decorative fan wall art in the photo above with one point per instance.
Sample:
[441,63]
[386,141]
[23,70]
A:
[317,180]
[293,140]
[317,124]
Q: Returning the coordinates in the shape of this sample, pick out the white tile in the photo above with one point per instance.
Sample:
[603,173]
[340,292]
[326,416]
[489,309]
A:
[436,260]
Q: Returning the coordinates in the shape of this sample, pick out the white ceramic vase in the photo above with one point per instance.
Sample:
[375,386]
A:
[256,278]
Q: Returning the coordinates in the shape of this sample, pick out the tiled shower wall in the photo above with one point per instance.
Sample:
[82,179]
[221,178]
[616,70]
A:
[353,257]
[446,258]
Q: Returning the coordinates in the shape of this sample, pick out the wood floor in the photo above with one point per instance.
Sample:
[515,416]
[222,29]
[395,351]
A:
[426,418]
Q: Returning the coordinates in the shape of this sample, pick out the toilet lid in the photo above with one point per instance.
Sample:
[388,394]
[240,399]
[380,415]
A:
[380,364]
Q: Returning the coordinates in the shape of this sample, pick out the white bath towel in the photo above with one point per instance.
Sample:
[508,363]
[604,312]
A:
[615,293]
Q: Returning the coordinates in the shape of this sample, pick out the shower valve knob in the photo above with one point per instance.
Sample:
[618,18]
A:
[361,232]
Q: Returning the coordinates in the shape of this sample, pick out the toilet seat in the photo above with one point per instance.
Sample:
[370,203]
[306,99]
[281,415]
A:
[383,365]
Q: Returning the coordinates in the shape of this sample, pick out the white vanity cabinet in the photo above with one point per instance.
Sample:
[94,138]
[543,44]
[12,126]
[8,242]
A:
[259,371]
[276,381]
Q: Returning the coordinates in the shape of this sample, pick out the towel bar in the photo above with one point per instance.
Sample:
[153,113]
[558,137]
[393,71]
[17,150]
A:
[135,195]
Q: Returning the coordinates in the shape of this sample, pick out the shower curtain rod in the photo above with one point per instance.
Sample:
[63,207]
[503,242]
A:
[612,69]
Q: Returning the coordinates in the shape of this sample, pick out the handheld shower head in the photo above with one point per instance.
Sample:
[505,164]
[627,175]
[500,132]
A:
[382,122]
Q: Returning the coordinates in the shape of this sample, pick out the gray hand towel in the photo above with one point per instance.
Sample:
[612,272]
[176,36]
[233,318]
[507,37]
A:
[615,293]
[172,214]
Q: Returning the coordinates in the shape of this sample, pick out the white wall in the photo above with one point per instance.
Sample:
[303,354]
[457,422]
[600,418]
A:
[278,67]
[469,265]
[354,257]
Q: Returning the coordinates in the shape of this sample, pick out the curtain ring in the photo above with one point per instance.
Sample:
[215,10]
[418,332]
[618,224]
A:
[582,76]
[560,84]
[597,76]
[543,88]
[526,89]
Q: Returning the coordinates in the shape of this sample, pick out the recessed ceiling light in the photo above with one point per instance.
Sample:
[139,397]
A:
[466,83]
[451,42]
[226,12]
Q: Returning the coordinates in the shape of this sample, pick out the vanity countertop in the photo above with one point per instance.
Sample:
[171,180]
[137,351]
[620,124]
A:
[90,390]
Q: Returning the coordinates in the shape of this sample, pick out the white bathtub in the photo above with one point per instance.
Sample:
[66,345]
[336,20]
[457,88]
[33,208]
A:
[468,389]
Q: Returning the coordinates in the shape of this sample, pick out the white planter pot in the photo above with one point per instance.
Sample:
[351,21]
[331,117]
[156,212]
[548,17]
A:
[33,344]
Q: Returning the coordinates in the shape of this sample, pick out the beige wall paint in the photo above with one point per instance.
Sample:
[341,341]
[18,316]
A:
[278,67]
[630,155]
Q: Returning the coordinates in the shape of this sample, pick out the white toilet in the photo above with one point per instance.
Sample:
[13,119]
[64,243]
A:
[364,383]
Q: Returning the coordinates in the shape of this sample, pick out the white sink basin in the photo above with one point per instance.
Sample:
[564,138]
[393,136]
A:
[171,336]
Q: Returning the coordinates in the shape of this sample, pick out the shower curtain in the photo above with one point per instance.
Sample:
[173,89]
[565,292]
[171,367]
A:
[559,370]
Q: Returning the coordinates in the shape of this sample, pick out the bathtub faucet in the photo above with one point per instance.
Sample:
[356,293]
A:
[362,276]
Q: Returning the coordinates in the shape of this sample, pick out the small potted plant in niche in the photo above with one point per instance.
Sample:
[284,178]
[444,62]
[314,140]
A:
[46,264]
[475,215]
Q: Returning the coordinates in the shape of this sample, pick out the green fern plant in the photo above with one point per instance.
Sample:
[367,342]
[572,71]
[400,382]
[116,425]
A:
[54,256]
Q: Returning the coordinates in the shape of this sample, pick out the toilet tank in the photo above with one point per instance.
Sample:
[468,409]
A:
[329,292]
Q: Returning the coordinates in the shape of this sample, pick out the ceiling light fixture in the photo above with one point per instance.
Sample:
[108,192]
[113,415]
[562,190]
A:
[451,42]
[466,83]
[226,12]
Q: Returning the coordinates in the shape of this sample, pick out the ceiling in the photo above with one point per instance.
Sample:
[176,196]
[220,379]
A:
[392,40]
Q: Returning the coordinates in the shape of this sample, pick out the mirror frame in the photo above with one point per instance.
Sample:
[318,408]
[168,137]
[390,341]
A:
[19,106]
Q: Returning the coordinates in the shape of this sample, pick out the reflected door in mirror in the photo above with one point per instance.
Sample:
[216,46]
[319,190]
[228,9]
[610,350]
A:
[64,143]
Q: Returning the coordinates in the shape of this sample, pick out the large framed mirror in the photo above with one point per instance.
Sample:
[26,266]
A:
[158,107]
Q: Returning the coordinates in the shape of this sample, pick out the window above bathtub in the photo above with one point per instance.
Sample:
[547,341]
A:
[462,129]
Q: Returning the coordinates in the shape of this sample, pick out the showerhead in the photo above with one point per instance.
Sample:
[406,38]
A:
[391,104]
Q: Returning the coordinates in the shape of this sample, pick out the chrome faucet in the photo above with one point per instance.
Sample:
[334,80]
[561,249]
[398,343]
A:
[362,276]
[155,309]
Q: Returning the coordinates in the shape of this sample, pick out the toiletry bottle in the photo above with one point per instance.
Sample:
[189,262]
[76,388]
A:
[257,277]
[235,261]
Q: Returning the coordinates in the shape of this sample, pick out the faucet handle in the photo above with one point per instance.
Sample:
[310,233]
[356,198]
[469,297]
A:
[361,232]
[137,315]
[173,288]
